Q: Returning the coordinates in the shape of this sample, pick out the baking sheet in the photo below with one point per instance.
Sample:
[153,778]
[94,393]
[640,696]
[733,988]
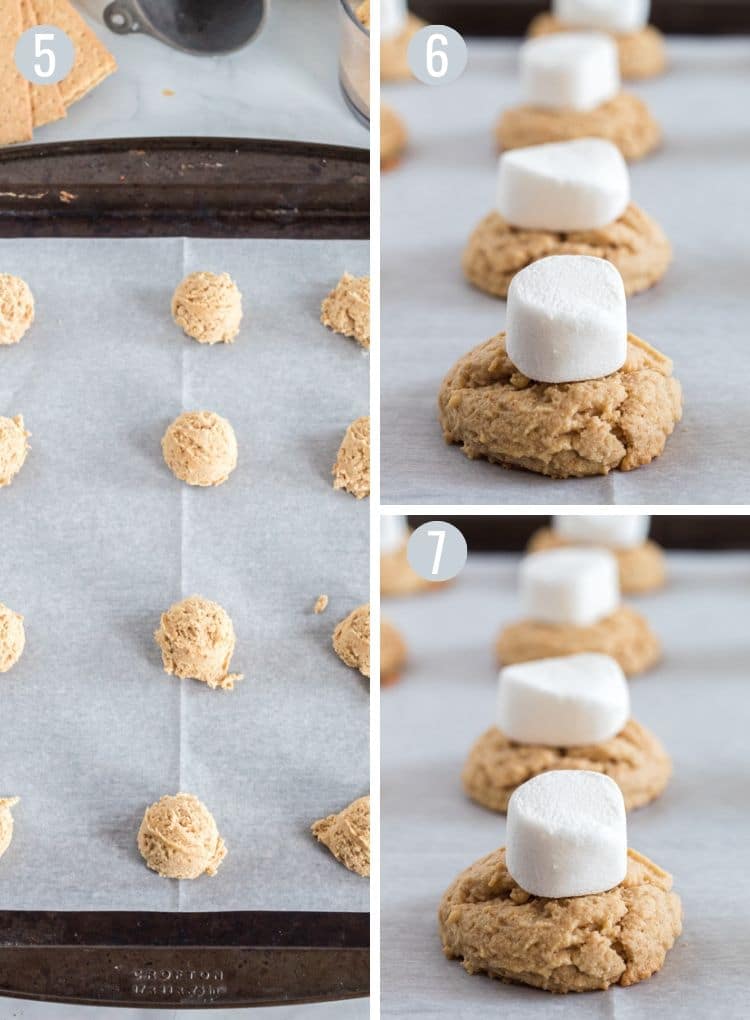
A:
[696,701]
[98,538]
[695,186]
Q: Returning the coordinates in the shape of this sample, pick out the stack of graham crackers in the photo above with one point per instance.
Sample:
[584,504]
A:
[26,106]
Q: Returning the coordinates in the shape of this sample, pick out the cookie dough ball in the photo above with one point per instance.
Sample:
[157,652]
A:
[363,14]
[208,307]
[392,654]
[16,308]
[200,448]
[347,835]
[6,822]
[178,838]
[346,309]
[197,642]
[351,639]
[12,638]
[352,468]
[393,138]
[13,448]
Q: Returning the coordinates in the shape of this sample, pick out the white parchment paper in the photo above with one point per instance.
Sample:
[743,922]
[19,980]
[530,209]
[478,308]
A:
[696,186]
[697,702]
[98,538]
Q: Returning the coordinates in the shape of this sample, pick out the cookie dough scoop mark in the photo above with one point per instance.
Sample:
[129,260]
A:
[178,838]
[347,835]
[14,448]
[351,639]
[208,307]
[12,638]
[200,448]
[351,470]
[16,309]
[6,822]
[197,640]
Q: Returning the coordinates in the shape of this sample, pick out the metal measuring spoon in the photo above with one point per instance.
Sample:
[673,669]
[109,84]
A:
[203,27]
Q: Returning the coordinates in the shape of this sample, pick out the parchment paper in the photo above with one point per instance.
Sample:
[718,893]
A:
[98,538]
[696,702]
[696,186]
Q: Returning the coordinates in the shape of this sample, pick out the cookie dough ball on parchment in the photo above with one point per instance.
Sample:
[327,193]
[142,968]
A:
[12,638]
[6,822]
[352,468]
[197,642]
[347,836]
[16,308]
[13,448]
[200,448]
[178,838]
[351,639]
[346,309]
[208,307]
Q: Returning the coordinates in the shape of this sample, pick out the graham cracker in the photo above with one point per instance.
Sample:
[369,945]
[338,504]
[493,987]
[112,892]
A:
[93,62]
[16,124]
[46,102]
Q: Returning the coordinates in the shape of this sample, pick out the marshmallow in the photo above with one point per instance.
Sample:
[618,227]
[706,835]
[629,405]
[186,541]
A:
[567,834]
[607,15]
[578,185]
[570,70]
[393,15]
[617,531]
[394,532]
[564,702]
[570,586]
[567,319]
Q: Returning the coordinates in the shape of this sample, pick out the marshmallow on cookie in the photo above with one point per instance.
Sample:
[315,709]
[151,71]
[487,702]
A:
[641,562]
[565,906]
[571,712]
[570,85]
[640,46]
[565,198]
[571,603]
[397,26]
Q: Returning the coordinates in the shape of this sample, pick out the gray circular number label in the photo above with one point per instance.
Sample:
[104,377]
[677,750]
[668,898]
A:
[437,55]
[45,55]
[437,551]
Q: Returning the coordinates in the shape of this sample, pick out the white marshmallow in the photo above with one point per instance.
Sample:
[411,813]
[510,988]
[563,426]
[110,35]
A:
[570,70]
[578,185]
[607,15]
[393,15]
[617,531]
[394,532]
[567,834]
[567,319]
[569,586]
[563,702]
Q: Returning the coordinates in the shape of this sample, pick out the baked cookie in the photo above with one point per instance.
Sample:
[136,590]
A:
[392,137]
[642,53]
[392,654]
[624,634]
[625,120]
[634,758]
[561,430]
[576,944]
[394,51]
[642,568]
[634,243]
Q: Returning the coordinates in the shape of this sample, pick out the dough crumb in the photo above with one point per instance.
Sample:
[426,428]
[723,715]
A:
[352,468]
[197,642]
[208,307]
[321,604]
[351,639]
[347,835]
[12,638]
[200,448]
[13,448]
[16,308]
[346,309]
[6,822]
[178,838]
